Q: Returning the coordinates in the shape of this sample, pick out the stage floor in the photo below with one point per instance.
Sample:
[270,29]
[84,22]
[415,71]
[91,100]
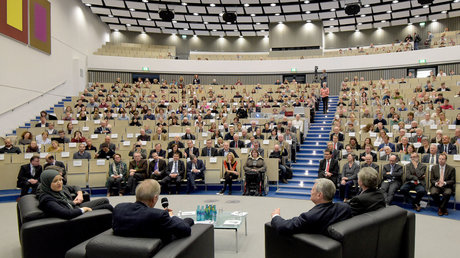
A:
[435,236]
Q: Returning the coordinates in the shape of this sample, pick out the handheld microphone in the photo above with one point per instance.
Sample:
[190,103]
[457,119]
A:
[164,202]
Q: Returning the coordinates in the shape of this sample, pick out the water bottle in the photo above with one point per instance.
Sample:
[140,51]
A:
[203,214]
[198,213]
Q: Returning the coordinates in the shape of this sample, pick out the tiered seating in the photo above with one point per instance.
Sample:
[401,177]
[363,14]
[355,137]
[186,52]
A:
[137,50]
[409,94]
[445,39]
[93,173]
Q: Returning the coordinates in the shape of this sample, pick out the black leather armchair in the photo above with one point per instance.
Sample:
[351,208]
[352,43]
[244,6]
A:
[42,236]
[107,245]
[388,232]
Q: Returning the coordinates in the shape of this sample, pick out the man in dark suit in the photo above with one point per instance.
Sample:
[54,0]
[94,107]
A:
[103,129]
[380,119]
[188,134]
[159,151]
[370,198]
[29,176]
[368,150]
[224,151]
[335,153]
[159,135]
[175,173]
[319,218]
[456,138]
[137,172]
[42,122]
[446,146]
[336,131]
[141,219]
[236,143]
[392,179]
[157,167]
[50,161]
[368,163]
[432,157]
[336,144]
[415,179]
[386,142]
[195,170]
[442,182]
[402,147]
[209,150]
[191,149]
[176,141]
[329,167]
[143,136]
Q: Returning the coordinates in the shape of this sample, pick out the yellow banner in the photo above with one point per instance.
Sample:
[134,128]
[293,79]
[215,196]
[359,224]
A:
[14,13]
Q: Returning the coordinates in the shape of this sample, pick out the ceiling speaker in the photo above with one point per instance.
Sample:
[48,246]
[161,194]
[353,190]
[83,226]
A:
[229,17]
[423,2]
[352,9]
[166,15]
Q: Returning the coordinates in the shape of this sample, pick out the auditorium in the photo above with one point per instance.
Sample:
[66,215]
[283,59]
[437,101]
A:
[229,128]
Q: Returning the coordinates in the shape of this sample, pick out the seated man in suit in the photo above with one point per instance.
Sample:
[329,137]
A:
[336,144]
[335,153]
[329,167]
[43,123]
[432,157]
[177,141]
[161,153]
[157,167]
[50,161]
[143,136]
[368,150]
[174,173]
[29,176]
[418,136]
[402,147]
[104,152]
[236,143]
[137,172]
[368,163]
[336,131]
[392,179]
[224,151]
[415,179]
[319,218]
[370,198]
[442,182]
[159,135]
[386,142]
[188,134]
[141,219]
[256,147]
[446,146]
[103,129]
[191,150]
[195,170]
[209,150]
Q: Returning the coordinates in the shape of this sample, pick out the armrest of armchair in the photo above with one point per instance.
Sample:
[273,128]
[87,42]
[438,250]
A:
[200,244]
[298,245]
[408,249]
[35,234]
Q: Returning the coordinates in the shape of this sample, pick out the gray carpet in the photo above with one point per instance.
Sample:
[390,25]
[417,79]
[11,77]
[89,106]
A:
[435,237]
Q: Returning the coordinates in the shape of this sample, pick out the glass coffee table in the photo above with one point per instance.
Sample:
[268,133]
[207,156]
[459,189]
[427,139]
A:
[224,220]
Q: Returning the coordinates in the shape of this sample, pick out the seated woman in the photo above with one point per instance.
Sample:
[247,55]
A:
[174,149]
[54,147]
[33,147]
[78,137]
[55,198]
[349,177]
[230,173]
[26,138]
[255,165]
[354,143]
[118,171]
[409,150]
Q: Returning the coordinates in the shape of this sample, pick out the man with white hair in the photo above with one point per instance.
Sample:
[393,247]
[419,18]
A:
[141,219]
[319,218]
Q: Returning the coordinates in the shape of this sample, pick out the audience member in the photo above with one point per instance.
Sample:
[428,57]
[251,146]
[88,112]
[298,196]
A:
[174,174]
[442,182]
[137,172]
[392,179]
[195,170]
[370,198]
[118,173]
[329,168]
[415,180]
[29,176]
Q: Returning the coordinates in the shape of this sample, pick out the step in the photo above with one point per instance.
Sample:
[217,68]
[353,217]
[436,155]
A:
[298,192]
[311,152]
[294,186]
[305,179]
[304,156]
[312,170]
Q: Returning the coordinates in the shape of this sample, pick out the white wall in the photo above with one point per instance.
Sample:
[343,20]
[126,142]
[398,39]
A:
[75,34]
[390,60]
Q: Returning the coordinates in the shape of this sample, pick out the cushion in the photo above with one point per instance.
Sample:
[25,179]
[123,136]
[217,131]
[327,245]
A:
[28,208]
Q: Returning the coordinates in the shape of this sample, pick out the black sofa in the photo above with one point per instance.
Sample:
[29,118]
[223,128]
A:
[107,245]
[385,233]
[42,236]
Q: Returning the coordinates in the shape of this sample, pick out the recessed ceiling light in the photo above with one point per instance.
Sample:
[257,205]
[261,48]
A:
[229,23]
[194,35]
[214,30]
[333,10]
[416,16]
[277,14]
[383,21]
[262,30]
[88,4]
[308,21]
[272,5]
[246,5]
[221,36]
[434,20]
[212,5]
[128,24]
[367,5]
[111,16]
[266,36]
[331,26]
[184,3]
[148,19]
[241,36]
[116,30]
[145,1]
[331,19]
[360,23]
[356,30]
[410,23]
[221,14]
[235,30]
[205,22]
[307,2]
[195,14]
[174,21]
[363,15]
[142,32]
[253,14]
[257,23]
[425,6]
[395,1]
[307,12]
[444,11]
[174,34]
[185,29]
[132,9]
[280,22]
[389,11]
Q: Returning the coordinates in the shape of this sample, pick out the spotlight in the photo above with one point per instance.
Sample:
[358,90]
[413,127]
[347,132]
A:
[166,15]
[352,9]
[229,17]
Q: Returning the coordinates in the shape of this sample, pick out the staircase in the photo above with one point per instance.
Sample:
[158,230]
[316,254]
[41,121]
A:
[305,170]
